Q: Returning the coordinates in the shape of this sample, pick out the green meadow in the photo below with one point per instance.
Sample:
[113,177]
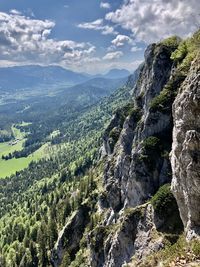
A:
[11,166]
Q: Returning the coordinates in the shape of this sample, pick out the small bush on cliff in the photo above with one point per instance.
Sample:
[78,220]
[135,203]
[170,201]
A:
[183,55]
[186,52]
[162,199]
[165,207]
[135,113]
[151,143]
[123,113]
[130,110]
[180,53]
[151,152]
[114,136]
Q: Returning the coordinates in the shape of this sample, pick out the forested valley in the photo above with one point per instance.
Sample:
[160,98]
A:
[36,201]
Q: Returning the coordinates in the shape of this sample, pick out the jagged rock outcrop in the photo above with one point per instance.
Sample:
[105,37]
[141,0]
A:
[133,234]
[137,143]
[136,233]
[185,155]
[70,236]
[134,172]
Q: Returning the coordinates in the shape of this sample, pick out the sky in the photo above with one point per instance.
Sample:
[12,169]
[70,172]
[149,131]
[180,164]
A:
[90,36]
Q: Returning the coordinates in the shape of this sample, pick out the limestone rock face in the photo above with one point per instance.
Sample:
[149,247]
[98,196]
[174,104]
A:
[185,155]
[133,235]
[137,143]
[129,178]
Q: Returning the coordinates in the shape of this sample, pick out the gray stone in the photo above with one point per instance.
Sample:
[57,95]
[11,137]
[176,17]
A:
[185,155]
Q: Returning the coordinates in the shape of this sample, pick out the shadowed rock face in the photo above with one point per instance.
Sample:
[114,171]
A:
[185,155]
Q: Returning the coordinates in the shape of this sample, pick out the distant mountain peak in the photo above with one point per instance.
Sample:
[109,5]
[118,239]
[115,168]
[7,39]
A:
[117,73]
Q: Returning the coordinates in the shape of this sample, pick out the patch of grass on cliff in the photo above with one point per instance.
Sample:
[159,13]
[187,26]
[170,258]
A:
[172,42]
[172,253]
[163,102]
[195,246]
[138,211]
[186,52]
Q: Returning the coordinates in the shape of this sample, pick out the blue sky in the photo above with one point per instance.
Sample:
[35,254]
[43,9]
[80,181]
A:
[89,35]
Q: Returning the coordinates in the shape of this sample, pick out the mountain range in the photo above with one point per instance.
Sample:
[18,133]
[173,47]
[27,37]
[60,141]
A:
[35,75]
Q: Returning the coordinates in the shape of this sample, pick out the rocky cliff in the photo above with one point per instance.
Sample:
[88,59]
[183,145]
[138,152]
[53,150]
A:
[136,215]
[185,156]
[135,168]
[137,142]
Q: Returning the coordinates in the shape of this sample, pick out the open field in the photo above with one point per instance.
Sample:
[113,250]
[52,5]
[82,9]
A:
[9,167]
[6,148]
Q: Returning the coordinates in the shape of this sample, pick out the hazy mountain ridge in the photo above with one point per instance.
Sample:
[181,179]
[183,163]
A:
[35,75]
[115,74]
[30,76]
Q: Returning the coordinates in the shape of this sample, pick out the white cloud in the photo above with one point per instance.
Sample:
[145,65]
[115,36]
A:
[15,12]
[26,40]
[136,49]
[98,25]
[153,20]
[120,40]
[113,55]
[111,48]
[93,25]
[105,5]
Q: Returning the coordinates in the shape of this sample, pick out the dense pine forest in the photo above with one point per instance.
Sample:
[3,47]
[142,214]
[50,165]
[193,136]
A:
[40,198]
